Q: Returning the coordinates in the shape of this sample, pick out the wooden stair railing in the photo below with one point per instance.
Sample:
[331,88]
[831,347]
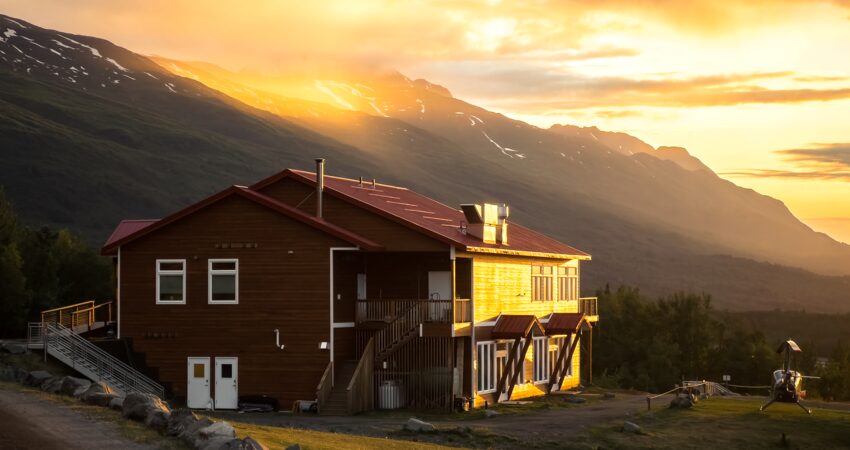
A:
[399,331]
[360,392]
[325,387]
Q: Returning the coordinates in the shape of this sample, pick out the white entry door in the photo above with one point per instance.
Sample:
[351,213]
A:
[226,383]
[198,382]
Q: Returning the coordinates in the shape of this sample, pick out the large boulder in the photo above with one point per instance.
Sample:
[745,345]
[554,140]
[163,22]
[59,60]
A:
[52,385]
[36,377]
[179,420]
[157,419]
[631,427]
[116,403]
[7,373]
[192,430]
[14,348]
[138,406]
[95,388]
[414,424]
[682,401]
[73,386]
[250,443]
[101,398]
[214,436]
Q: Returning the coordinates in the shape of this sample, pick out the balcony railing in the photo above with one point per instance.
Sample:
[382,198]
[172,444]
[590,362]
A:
[588,306]
[386,310]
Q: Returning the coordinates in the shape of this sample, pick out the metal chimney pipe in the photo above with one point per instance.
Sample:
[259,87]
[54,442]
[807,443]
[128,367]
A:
[320,185]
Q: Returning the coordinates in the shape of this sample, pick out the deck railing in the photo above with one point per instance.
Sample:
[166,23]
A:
[463,310]
[360,394]
[385,310]
[80,316]
[325,387]
[65,315]
[588,306]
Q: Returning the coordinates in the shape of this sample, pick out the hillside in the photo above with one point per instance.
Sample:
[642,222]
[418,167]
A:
[88,140]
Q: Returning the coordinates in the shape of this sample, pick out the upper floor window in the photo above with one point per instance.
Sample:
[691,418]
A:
[567,283]
[171,281]
[224,281]
[541,283]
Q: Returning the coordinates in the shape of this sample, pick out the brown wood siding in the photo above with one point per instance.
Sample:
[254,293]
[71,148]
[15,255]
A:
[393,236]
[283,284]
[402,275]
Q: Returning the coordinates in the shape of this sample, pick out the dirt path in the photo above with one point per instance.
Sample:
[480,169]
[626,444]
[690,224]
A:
[28,422]
[545,424]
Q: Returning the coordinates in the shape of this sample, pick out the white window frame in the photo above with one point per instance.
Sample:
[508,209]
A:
[160,272]
[541,359]
[491,370]
[234,272]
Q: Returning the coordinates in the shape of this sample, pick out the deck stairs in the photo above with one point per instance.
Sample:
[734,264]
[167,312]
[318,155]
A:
[61,334]
[399,331]
[337,403]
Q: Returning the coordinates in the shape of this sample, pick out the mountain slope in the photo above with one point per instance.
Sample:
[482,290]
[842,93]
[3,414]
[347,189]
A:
[88,152]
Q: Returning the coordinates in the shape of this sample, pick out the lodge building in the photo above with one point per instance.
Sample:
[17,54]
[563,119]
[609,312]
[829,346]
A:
[354,294]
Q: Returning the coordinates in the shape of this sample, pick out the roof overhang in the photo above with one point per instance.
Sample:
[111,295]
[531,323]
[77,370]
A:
[514,326]
[565,323]
[507,251]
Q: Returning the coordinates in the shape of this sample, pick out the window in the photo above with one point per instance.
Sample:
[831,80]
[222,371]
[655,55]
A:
[171,281]
[541,359]
[486,361]
[502,358]
[541,283]
[224,281]
[199,371]
[567,283]
[227,370]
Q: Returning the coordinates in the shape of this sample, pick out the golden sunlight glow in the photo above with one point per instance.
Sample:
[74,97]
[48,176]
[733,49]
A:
[736,83]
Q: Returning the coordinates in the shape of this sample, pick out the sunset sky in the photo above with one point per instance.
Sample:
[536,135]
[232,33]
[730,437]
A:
[759,90]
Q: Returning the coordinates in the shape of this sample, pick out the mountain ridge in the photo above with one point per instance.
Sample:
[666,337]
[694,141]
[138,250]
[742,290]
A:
[86,158]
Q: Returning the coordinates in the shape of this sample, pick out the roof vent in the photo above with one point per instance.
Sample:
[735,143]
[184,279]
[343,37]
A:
[487,222]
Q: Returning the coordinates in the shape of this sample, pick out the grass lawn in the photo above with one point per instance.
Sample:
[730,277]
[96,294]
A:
[727,424]
[280,438]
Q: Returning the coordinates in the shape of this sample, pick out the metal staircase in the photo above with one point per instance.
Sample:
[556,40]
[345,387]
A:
[65,345]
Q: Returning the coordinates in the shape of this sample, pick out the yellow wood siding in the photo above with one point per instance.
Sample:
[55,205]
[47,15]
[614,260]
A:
[502,285]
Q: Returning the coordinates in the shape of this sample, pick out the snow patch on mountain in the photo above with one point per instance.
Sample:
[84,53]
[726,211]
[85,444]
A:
[115,63]
[8,34]
[326,90]
[93,50]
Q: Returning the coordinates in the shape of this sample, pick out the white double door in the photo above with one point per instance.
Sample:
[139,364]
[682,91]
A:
[226,384]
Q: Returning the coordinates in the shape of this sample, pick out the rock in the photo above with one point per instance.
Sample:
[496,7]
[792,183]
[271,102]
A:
[157,419]
[294,447]
[14,348]
[190,434]
[219,443]
[52,385]
[117,403]
[414,424]
[7,373]
[250,443]
[682,401]
[95,388]
[575,399]
[138,406]
[101,398]
[608,395]
[631,427]
[214,436]
[489,413]
[179,420]
[19,374]
[73,386]
[36,377]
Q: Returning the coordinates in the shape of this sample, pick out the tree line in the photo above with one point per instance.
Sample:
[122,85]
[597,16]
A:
[653,344]
[42,268]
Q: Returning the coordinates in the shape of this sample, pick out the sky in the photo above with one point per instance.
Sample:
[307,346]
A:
[758,90]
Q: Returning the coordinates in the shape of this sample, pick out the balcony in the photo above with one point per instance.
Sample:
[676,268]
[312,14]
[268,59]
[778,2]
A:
[427,310]
[589,306]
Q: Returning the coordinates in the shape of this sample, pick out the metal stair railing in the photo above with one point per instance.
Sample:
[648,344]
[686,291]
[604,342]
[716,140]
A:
[88,359]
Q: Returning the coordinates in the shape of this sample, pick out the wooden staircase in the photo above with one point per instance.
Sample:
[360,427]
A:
[337,403]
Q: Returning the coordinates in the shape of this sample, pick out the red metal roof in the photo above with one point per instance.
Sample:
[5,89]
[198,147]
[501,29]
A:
[510,326]
[126,228]
[124,236]
[429,216]
[564,323]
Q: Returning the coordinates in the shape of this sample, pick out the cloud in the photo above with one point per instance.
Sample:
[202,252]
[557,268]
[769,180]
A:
[820,161]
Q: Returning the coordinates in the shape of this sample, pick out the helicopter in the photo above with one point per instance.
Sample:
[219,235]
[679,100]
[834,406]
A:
[787,383]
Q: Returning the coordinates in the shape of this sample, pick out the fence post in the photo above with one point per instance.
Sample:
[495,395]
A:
[648,403]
